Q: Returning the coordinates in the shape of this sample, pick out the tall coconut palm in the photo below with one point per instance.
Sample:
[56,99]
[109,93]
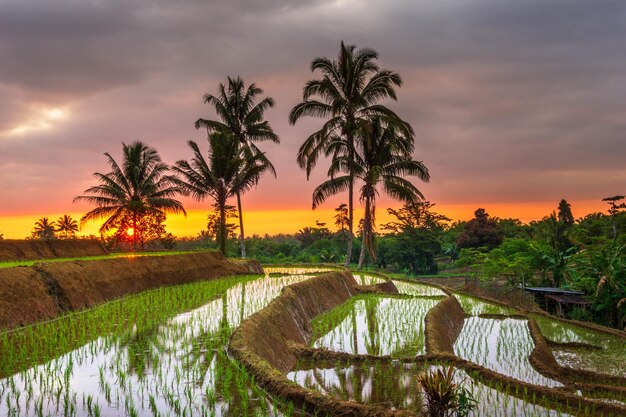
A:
[225,174]
[44,229]
[138,187]
[350,90]
[67,226]
[243,117]
[380,159]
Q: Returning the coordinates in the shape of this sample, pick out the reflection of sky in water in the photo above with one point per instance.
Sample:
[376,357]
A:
[503,346]
[610,360]
[364,279]
[411,288]
[173,366]
[474,306]
[396,384]
[381,326]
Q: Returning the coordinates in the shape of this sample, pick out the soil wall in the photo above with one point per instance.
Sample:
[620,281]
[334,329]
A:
[45,290]
[287,319]
[26,250]
[266,343]
[24,298]
[442,325]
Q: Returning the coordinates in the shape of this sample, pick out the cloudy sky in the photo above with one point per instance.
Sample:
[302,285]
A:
[516,104]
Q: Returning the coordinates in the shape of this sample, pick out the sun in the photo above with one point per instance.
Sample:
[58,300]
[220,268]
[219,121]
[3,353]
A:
[130,231]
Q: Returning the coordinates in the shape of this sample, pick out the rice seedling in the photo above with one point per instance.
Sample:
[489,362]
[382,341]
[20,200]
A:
[366,279]
[474,306]
[503,346]
[374,324]
[158,353]
[611,359]
[417,289]
[396,384]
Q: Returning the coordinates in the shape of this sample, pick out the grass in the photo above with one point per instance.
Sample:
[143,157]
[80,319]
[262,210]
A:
[10,264]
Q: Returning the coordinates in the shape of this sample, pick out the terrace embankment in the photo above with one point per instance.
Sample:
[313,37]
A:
[27,250]
[263,343]
[442,325]
[46,290]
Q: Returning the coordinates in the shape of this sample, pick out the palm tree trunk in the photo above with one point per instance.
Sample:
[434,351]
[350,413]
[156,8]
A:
[366,231]
[242,239]
[222,205]
[350,221]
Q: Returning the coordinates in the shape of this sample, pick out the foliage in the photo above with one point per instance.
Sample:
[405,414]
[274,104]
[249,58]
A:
[44,230]
[341,218]
[148,230]
[415,238]
[381,158]
[213,223]
[349,92]
[444,396]
[225,174]
[309,235]
[601,272]
[67,227]
[137,188]
[242,117]
[480,232]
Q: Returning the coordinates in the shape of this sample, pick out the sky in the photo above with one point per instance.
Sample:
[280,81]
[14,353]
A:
[515,103]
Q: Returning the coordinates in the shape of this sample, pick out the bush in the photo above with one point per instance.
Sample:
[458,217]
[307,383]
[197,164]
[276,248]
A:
[444,396]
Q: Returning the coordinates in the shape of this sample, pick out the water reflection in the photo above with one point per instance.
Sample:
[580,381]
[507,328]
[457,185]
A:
[178,367]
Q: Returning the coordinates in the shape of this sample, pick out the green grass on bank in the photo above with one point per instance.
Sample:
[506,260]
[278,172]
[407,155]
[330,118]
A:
[10,264]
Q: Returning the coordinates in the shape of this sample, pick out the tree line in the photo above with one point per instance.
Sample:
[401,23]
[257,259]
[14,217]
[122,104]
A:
[369,146]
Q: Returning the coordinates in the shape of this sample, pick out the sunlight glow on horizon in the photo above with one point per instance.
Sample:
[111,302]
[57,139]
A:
[288,221]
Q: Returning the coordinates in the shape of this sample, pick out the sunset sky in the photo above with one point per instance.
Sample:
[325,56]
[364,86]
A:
[516,104]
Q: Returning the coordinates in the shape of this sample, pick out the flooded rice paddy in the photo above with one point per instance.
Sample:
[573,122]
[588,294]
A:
[474,306]
[395,385]
[608,358]
[417,289]
[375,325]
[163,353]
[176,367]
[502,345]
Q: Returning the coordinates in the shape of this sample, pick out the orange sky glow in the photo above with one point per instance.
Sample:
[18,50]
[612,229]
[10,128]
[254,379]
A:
[272,222]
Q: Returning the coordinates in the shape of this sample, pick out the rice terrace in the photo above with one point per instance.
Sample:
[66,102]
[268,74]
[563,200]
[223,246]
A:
[332,208]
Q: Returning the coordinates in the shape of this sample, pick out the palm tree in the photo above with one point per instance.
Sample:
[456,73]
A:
[350,90]
[225,174]
[380,159]
[137,188]
[67,226]
[44,229]
[241,116]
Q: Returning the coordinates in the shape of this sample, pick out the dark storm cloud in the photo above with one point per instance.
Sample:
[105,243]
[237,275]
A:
[511,100]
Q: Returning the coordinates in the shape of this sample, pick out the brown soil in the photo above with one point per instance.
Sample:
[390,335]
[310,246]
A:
[264,343]
[442,325]
[386,287]
[25,250]
[269,343]
[40,292]
[24,298]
